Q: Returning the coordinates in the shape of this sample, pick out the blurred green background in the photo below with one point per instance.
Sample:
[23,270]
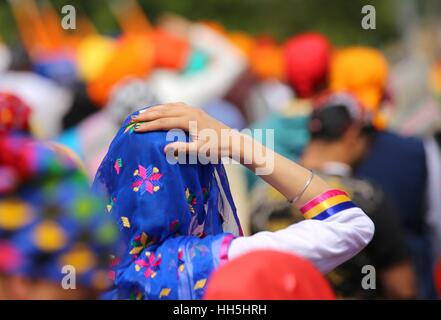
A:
[339,19]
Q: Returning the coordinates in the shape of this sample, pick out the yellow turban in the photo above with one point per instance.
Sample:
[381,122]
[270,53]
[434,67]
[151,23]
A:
[132,57]
[361,71]
[435,77]
[93,54]
[243,41]
[266,60]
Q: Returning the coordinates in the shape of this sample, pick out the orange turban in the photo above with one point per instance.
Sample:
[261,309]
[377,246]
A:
[266,60]
[214,25]
[132,57]
[170,51]
[435,77]
[242,41]
[361,71]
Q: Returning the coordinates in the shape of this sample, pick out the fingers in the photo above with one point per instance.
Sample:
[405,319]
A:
[162,124]
[180,147]
[161,111]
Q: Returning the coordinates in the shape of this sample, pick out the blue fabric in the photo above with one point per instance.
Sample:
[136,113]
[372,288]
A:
[59,67]
[334,210]
[398,165]
[176,220]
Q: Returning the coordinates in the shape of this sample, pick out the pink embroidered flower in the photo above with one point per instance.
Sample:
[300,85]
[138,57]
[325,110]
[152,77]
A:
[151,264]
[147,179]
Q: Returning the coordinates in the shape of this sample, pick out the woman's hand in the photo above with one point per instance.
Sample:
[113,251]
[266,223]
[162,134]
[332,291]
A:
[285,175]
[203,129]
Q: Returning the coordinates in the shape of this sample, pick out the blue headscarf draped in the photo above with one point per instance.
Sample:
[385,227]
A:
[177,221]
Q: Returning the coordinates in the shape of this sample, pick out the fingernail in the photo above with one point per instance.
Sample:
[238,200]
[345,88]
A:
[136,126]
[135,117]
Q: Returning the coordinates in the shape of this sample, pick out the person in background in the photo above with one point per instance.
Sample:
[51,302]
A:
[432,145]
[224,64]
[396,164]
[340,135]
[91,137]
[52,228]
[306,58]
[48,101]
[270,275]
[341,132]
[270,93]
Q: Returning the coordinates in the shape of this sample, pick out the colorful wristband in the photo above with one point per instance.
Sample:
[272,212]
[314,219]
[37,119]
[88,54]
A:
[326,204]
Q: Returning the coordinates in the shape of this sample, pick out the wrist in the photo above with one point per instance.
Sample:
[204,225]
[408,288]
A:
[230,141]
[241,148]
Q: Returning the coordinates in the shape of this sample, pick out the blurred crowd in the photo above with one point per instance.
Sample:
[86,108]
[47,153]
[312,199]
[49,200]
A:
[347,113]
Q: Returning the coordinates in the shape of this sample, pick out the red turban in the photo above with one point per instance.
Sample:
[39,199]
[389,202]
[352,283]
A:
[268,275]
[171,51]
[266,60]
[307,61]
[14,114]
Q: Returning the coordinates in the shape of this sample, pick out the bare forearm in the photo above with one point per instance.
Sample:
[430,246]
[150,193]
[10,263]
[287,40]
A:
[286,176]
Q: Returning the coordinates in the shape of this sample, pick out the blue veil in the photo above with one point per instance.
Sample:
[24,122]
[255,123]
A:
[177,221]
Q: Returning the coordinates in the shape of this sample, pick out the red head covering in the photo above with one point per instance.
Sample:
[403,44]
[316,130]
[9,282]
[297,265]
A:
[268,275]
[307,61]
[14,114]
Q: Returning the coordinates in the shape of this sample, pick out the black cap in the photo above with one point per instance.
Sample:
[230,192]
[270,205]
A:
[334,113]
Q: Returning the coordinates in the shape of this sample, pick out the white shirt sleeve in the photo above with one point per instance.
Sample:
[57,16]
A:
[326,243]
